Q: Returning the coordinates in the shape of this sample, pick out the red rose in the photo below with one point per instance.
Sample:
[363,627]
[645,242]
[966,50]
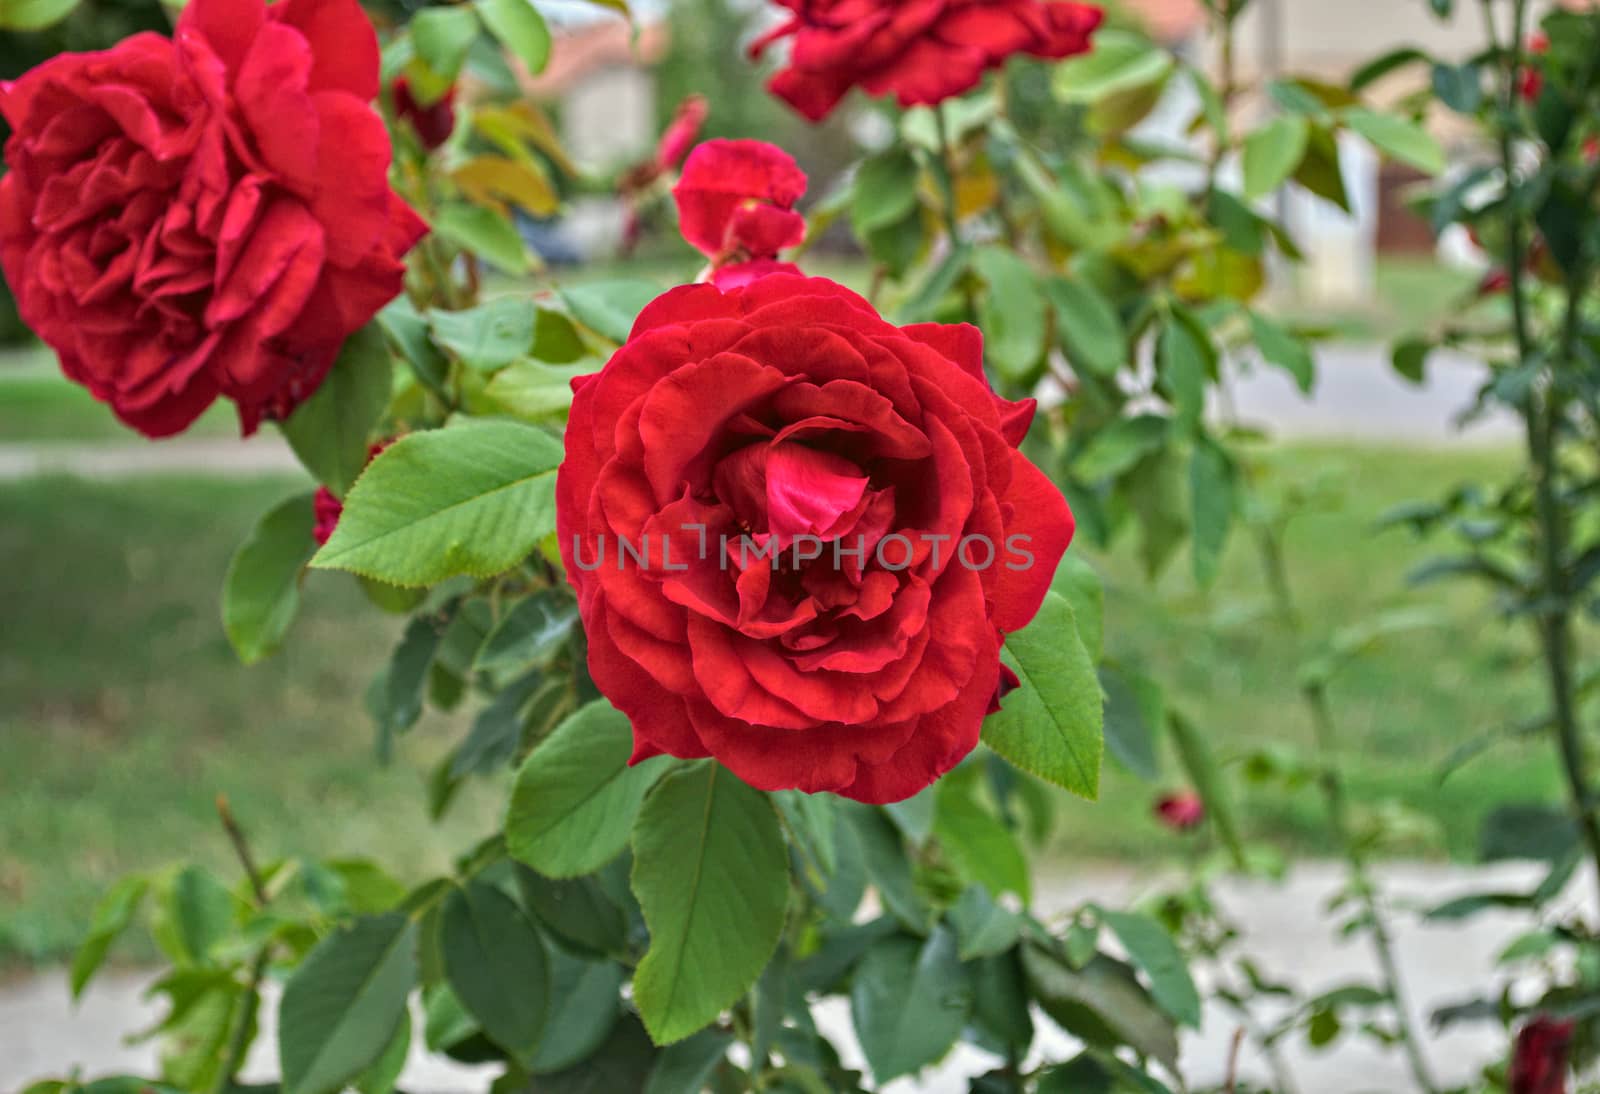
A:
[1530,83]
[207,215]
[736,206]
[922,51]
[797,534]
[681,132]
[1182,811]
[433,123]
[1539,1060]
[326,507]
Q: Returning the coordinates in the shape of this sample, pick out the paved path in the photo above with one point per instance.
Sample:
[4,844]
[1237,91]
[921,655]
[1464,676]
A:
[40,1033]
[1358,397]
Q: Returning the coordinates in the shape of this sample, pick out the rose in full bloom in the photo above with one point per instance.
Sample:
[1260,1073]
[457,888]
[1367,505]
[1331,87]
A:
[920,51]
[433,123]
[207,215]
[1539,1059]
[736,206]
[798,534]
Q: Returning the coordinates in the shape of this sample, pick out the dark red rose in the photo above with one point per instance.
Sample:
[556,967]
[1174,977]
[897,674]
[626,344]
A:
[734,436]
[326,506]
[921,51]
[206,215]
[1539,1059]
[327,510]
[433,123]
[1181,811]
[681,132]
[736,206]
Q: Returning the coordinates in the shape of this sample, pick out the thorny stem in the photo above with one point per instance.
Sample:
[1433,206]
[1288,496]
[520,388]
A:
[1542,414]
[1361,881]
[245,1024]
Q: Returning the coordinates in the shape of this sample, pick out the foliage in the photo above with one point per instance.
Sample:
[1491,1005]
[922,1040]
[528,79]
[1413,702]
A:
[629,926]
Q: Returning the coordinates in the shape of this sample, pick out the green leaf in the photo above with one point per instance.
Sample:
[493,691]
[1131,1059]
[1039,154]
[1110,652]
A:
[1153,950]
[884,191]
[194,915]
[983,928]
[34,14]
[575,799]
[497,966]
[520,28]
[442,36]
[1076,581]
[1398,138]
[1012,315]
[475,498]
[1134,709]
[909,1000]
[980,847]
[1102,1003]
[578,911]
[1119,446]
[1460,87]
[112,915]
[1090,329]
[1381,66]
[1212,501]
[686,1067]
[1181,360]
[332,431]
[1283,349]
[1119,62]
[484,232]
[711,874]
[341,1007]
[888,865]
[530,634]
[1051,726]
[535,391]
[1411,358]
[1272,153]
[609,308]
[623,1062]
[588,995]
[382,1076]
[489,336]
[261,592]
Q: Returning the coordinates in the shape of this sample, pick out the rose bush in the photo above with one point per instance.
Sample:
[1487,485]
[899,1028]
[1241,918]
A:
[782,419]
[208,215]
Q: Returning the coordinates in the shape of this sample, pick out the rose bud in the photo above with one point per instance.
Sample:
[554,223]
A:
[434,123]
[798,534]
[921,53]
[1182,811]
[208,215]
[736,206]
[682,132]
[1539,1058]
[1531,81]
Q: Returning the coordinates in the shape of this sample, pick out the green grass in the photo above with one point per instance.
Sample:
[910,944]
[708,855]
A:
[38,403]
[123,712]
[1401,711]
